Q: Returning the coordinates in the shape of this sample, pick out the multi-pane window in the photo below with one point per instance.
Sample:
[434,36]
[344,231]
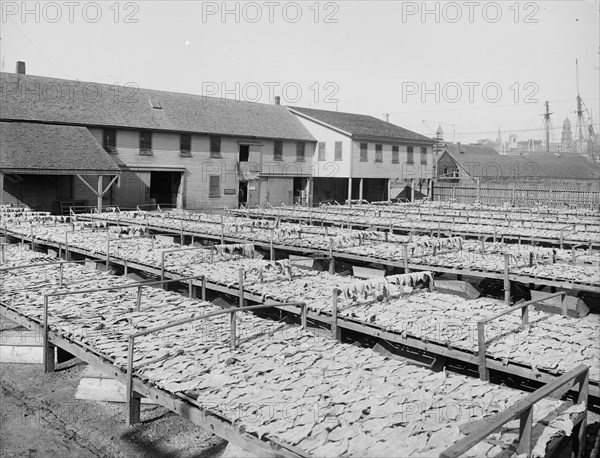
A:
[423,156]
[185,144]
[300,150]
[410,155]
[278,151]
[363,152]
[395,154]
[338,151]
[145,142]
[378,153]
[322,150]
[214,186]
[109,140]
[215,146]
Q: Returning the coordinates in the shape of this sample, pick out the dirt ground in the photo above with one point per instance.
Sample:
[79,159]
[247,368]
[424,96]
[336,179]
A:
[41,418]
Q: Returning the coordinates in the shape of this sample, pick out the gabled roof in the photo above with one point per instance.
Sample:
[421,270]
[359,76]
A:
[52,149]
[361,126]
[52,100]
[481,150]
[540,165]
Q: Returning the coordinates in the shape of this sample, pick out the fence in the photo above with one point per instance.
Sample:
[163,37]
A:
[517,195]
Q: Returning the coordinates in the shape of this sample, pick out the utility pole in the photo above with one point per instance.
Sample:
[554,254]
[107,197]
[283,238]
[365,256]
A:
[546,116]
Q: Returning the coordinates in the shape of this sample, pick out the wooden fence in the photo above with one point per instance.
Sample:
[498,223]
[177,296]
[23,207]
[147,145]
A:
[518,196]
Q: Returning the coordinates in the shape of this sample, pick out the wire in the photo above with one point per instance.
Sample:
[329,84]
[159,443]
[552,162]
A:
[38,49]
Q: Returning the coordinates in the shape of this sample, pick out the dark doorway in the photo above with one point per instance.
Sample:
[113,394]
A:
[330,190]
[243,193]
[300,194]
[375,189]
[164,187]
[39,192]
[244,153]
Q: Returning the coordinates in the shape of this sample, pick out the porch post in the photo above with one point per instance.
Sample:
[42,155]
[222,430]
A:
[412,190]
[389,189]
[99,194]
[1,188]
[360,189]
[350,191]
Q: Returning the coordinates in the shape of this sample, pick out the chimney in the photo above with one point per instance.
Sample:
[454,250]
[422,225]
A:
[277,100]
[458,148]
[20,67]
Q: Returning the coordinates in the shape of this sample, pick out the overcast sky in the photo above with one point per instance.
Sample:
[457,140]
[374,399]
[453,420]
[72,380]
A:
[470,65]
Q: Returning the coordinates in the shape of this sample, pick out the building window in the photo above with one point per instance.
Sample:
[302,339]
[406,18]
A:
[300,149]
[364,147]
[145,142]
[185,145]
[214,189]
[395,154]
[378,153]
[109,140]
[423,156]
[338,151]
[410,156]
[322,150]
[278,151]
[215,146]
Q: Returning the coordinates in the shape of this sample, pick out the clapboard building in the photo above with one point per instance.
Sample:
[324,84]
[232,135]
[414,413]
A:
[362,157]
[464,164]
[157,147]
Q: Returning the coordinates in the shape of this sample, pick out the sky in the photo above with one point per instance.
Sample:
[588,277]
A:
[472,67]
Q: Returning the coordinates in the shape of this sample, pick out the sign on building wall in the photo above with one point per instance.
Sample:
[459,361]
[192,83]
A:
[230,191]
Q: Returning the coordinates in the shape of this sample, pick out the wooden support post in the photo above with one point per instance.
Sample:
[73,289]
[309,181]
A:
[303,313]
[232,328]
[222,232]
[525,316]
[525,427]
[203,288]
[139,298]
[335,331]
[506,280]
[107,248]
[405,254]
[241,286]
[133,399]
[483,372]
[162,268]
[67,254]
[331,258]
[60,273]
[49,350]
[271,248]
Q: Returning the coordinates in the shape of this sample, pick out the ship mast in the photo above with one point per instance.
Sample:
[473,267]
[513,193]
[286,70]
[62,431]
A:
[546,116]
[580,122]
